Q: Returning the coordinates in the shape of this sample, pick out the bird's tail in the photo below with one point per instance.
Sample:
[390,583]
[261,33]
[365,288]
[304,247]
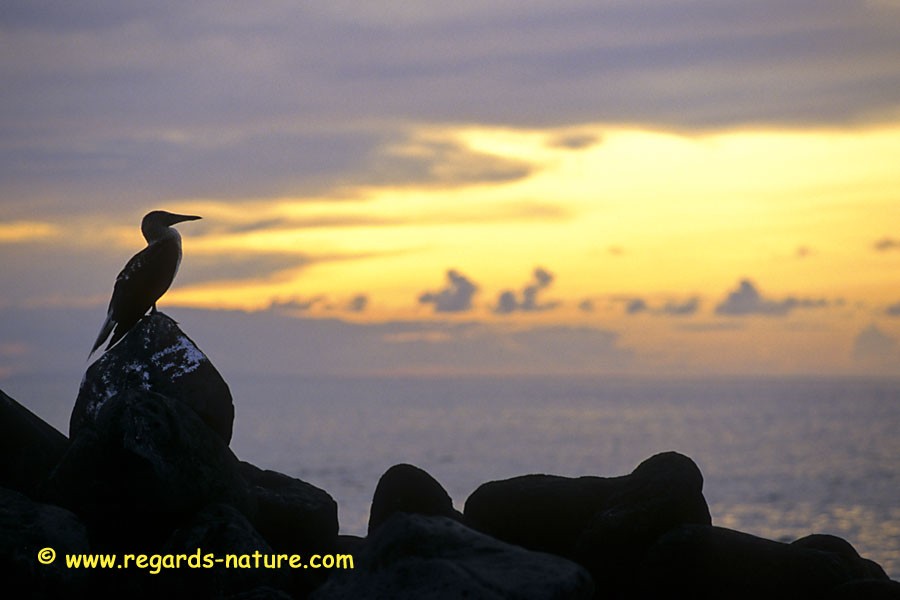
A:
[107,328]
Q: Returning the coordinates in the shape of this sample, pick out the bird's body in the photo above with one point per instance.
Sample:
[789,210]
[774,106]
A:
[145,278]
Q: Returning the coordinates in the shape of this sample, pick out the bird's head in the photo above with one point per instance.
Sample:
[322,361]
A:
[156,221]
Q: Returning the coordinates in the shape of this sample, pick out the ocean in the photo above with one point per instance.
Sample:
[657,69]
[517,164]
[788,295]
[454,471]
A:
[781,458]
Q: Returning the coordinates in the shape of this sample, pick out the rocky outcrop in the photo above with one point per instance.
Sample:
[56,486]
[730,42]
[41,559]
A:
[409,489]
[29,447]
[700,561]
[663,492]
[156,356]
[419,557]
[220,530]
[574,516]
[144,463]
[28,528]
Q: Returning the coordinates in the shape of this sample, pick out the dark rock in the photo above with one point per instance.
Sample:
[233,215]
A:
[420,557]
[221,532]
[704,562]
[867,589]
[862,568]
[26,528]
[552,513]
[349,544]
[541,512]
[143,464]
[29,447]
[156,356]
[262,593]
[293,516]
[663,492]
[405,488]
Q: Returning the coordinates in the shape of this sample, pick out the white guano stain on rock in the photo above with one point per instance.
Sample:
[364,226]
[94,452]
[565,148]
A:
[178,359]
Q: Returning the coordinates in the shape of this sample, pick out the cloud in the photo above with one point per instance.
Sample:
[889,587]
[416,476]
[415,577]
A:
[455,297]
[179,100]
[295,305]
[441,162]
[887,244]
[873,346]
[636,306]
[673,308]
[685,308]
[508,302]
[893,310]
[746,300]
[358,303]
[575,140]
[237,266]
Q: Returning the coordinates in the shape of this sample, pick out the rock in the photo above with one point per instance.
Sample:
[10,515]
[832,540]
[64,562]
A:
[540,512]
[420,557]
[861,568]
[866,589]
[704,562]
[26,528]
[405,488]
[29,447]
[552,513]
[156,356]
[663,492]
[262,593]
[293,516]
[143,464]
[220,531]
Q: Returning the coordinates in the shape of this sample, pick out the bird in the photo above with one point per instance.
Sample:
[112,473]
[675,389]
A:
[145,278]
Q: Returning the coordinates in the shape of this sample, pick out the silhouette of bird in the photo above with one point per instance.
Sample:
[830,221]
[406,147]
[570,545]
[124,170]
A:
[146,277]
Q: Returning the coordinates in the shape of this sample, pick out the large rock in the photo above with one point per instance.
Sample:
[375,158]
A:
[542,512]
[866,589]
[219,531]
[27,528]
[29,447]
[704,562]
[156,356]
[419,557]
[144,463]
[552,513]
[406,488]
[861,568]
[663,492]
[293,516]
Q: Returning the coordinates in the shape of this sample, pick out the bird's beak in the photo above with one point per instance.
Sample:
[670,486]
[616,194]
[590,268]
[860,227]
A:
[180,218]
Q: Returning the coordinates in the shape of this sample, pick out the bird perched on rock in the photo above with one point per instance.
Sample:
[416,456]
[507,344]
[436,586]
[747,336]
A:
[146,277]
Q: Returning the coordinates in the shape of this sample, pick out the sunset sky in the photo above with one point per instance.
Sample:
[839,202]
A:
[696,187]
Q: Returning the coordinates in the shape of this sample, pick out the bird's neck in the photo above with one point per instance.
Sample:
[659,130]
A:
[159,234]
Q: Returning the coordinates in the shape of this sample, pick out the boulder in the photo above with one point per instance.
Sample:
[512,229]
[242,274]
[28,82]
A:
[705,562]
[29,447]
[405,488]
[427,557]
[144,463]
[552,513]
[862,568]
[26,528]
[663,492]
[220,531]
[541,512]
[293,516]
[866,589]
[156,356]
